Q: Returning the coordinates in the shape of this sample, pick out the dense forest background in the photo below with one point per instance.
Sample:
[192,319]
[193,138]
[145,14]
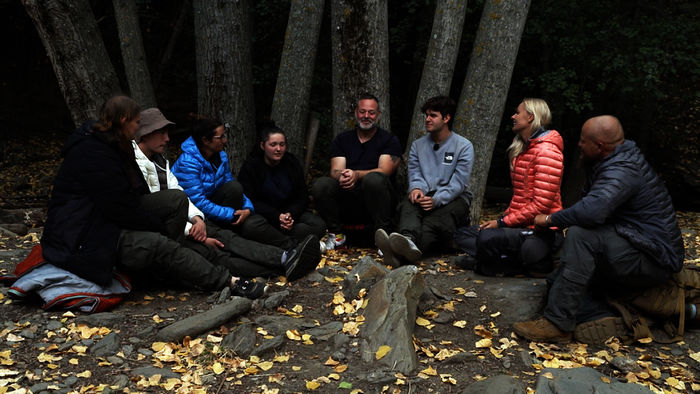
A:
[636,60]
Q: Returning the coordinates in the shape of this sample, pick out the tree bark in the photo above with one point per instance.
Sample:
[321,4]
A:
[224,71]
[483,97]
[440,60]
[74,45]
[290,106]
[360,41]
[178,27]
[131,44]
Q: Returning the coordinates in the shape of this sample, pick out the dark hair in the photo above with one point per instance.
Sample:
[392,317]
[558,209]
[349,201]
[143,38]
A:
[367,96]
[203,128]
[110,122]
[443,104]
[267,129]
[109,128]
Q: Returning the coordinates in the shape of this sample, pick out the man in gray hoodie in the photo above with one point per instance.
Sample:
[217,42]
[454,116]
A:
[439,168]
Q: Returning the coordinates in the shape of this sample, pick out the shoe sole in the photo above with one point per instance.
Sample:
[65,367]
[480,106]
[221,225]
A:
[400,246]
[381,239]
[523,334]
[596,332]
[309,257]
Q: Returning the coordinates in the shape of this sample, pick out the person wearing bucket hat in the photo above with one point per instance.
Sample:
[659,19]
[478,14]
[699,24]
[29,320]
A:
[241,256]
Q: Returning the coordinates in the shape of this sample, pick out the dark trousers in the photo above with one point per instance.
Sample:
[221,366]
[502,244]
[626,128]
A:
[371,201]
[509,251]
[171,207]
[255,227]
[433,229]
[155,255]
[305,225]
[594,261]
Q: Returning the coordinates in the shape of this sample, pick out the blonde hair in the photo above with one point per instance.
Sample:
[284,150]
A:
[539,109]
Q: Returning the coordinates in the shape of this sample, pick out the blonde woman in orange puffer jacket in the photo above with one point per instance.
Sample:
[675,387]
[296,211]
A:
[511,245]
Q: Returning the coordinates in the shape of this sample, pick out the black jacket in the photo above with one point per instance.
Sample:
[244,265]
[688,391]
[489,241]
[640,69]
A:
[624,190]
[252,177]
[95,195]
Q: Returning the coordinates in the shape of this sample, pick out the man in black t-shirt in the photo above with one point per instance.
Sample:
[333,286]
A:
[360,187]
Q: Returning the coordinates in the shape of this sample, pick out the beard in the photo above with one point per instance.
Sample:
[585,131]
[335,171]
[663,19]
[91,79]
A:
[365,126]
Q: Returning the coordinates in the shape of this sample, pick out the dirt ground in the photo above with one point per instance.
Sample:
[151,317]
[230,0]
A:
[451,348]
[461,339]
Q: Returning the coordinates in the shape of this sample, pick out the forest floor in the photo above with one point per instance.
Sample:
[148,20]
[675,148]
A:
[471,341]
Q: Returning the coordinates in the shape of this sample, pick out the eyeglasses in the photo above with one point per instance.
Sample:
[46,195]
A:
[219,137]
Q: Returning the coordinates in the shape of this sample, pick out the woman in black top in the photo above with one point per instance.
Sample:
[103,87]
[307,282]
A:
[274,181]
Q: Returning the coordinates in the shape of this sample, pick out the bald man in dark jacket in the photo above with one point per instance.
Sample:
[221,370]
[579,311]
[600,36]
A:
[623,234]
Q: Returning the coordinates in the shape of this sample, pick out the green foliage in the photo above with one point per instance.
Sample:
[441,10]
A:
[586,55]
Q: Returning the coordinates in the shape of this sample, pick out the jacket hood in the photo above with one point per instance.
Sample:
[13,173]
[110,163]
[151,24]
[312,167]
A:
[552,137]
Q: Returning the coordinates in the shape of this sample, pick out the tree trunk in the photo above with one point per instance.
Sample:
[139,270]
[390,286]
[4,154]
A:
[438,68]
[224,71]
[483,97]
[290,106]
[74,45]
[439,61]
[360,41]
[178,27]
[131,45]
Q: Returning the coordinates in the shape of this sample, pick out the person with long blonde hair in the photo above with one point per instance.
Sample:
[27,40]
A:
[511,244]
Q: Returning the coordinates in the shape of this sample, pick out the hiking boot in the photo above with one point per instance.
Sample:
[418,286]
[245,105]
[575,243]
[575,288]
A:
[302,259]
[541,330]
[598,331]
[334,241]
[248,289]
[466,262]
[381,239]
[404,247]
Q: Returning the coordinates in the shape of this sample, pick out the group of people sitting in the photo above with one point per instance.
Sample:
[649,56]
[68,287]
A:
[116,203]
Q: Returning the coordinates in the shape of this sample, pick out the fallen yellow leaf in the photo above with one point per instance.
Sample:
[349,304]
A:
[312,385]
[430,371]
[382,351]
[330,361]
[460,324]
[293,335]
[340,368]
[217,368]
[486,342]
[422,322]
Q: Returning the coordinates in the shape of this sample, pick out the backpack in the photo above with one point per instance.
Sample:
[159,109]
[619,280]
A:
[664,303]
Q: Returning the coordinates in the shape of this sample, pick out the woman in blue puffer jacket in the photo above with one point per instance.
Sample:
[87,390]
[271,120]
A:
[203,172]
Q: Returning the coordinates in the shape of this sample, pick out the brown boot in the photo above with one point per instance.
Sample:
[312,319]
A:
[541,330]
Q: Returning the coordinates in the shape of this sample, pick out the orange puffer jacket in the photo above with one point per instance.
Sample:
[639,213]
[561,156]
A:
[536,177]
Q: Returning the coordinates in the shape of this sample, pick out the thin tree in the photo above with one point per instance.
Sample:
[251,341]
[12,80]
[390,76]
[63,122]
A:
[290,105]
[360,41]
[74,45]
[131,44]
[483,97]
[224,71]
[440,60]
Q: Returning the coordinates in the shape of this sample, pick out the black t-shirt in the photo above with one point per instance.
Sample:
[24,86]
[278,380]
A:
[364,156]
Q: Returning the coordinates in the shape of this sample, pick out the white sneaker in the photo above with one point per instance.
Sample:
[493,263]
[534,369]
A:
[404,247]
[335,241]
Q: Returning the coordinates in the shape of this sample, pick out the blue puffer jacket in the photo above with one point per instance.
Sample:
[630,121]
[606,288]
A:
[200,179]
[624,190]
